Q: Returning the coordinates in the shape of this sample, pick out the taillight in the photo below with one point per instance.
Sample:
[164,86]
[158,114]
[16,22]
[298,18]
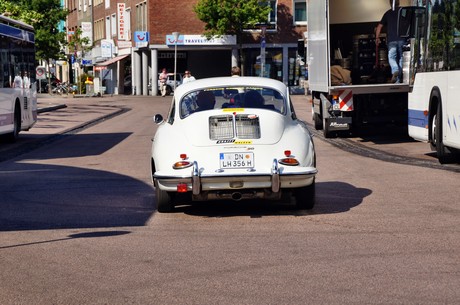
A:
[182,188]
[289,160]
[183,163]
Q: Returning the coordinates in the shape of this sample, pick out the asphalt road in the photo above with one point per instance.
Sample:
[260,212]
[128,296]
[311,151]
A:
[78,225]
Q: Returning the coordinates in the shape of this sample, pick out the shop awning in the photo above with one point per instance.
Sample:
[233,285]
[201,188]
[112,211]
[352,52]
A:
[112,60]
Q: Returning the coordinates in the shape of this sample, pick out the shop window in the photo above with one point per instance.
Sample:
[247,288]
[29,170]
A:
[273,63]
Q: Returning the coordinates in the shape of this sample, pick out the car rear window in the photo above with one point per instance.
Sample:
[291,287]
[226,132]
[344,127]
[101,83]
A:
[232,97]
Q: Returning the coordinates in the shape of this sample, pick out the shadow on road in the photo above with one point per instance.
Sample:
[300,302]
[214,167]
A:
[41,197]
[331,197]
[83,145]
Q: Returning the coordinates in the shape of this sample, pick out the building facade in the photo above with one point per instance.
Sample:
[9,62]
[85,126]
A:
[133,40]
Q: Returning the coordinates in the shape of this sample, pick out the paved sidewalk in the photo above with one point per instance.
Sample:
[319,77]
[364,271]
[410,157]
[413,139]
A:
[73,113]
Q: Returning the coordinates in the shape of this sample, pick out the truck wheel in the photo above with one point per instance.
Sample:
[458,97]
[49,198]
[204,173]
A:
[168,90]
[305,197]
[165,202]
[317,121]
[444,156]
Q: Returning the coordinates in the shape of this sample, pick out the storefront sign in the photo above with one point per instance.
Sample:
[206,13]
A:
[199,40]
[124,44]
[141,39]
[106,48]
[121,21]
[87,32]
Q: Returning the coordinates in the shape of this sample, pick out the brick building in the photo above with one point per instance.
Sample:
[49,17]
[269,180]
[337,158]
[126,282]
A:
[133,40]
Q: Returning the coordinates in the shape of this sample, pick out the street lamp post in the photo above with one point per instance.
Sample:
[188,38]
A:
[176,37]
[262,50]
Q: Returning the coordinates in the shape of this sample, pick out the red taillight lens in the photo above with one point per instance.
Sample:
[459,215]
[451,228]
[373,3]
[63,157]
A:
[182,188]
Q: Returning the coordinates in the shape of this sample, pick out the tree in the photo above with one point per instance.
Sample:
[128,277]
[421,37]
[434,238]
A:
[44,16]
[77,44]
[231,17]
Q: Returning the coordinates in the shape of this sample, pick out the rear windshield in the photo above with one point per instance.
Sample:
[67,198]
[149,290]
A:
[232,97]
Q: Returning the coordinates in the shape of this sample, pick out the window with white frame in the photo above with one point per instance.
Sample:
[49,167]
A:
[300,12]
[128,23]
[273,13]
[113,25]
[107,28]
[270,23]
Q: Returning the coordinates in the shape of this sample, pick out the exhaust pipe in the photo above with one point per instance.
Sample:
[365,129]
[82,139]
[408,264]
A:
[236,196]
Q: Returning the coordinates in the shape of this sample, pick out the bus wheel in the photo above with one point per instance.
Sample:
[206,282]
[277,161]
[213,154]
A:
[442,152]
[13,136]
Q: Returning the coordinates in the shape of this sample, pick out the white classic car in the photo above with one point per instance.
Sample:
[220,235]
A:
[232,138]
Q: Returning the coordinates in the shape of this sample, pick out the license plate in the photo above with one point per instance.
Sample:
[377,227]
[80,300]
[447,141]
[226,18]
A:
[237,160]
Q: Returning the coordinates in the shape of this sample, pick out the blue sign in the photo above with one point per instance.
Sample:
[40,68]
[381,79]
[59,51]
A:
[86,62]
[140,36]
[171,40]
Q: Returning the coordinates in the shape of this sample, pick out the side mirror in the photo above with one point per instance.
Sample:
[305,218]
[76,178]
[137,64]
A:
[158,119]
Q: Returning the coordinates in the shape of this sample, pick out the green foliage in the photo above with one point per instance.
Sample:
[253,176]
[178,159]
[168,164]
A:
[230,17]
[44,16]
[78,43]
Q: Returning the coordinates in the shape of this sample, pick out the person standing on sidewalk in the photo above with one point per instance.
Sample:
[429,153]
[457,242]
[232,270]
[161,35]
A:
[394,42]
[188,77]
[163,79]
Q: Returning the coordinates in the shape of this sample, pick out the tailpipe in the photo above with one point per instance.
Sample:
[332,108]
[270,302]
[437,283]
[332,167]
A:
[237,196]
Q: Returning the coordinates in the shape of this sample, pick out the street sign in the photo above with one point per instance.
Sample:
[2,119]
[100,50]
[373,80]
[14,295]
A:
[40,73]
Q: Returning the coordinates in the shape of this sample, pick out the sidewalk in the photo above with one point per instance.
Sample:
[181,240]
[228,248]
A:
[73,113]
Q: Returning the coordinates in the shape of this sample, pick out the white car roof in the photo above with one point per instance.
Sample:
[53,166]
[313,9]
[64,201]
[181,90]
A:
[227,81]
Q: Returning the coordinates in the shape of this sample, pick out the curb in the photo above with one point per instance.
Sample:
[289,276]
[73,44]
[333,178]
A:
[51,108]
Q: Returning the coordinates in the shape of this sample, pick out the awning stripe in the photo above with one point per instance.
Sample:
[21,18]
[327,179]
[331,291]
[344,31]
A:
[112,60]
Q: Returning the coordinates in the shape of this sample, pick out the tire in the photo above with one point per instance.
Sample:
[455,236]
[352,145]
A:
[305,197]
[168,90]
[317,121]
[165,202]
[13,136]
[444,156]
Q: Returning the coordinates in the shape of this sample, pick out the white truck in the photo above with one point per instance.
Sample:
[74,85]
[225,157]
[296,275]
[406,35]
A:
[341,37]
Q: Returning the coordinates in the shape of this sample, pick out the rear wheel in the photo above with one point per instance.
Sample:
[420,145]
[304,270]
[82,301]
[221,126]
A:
[165,201]
[305,197]
[168,90]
